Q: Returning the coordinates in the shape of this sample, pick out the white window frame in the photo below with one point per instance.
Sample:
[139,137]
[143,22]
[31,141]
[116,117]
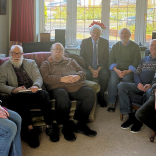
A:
[140,27]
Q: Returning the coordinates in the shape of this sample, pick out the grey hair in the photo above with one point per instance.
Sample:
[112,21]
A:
[53,45]
[95,27]
[151,42]
[14,46]
[124,29]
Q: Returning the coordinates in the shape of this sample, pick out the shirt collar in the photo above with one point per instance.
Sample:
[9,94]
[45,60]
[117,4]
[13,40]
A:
[152,56]
[127,43]
[95,41]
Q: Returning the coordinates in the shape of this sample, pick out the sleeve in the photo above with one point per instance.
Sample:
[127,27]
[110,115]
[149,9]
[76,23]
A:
[83,53]
[112,61]
[79,69]
[3,81]
[105,55]
[137,73]
[48,78]
[137,58]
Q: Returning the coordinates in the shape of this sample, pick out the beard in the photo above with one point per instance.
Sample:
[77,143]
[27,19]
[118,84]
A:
[57,59]
[18,63]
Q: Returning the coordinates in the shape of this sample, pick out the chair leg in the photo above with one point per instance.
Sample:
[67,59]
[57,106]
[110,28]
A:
[152,137]
[121,117]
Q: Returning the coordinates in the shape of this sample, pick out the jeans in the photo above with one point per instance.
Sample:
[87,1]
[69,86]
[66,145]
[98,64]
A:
[84,95]
[10,141]
[147,113]
[113,82]
[102,79]
[24,101]
[125,90]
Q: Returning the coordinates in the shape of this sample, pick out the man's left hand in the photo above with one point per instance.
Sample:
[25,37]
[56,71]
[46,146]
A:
[34,89]
[147,86]
[74,78]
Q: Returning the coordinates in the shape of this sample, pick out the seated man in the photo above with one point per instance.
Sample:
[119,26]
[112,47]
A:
[95,52]
[18,74]
[123,60]
[64,80]
[143,78]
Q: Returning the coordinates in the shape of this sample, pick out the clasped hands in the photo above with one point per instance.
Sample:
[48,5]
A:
[143,88]
[33,89]
[70,78]
[3,113]
[121,74]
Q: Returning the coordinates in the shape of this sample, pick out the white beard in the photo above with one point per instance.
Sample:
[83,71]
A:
[18,63]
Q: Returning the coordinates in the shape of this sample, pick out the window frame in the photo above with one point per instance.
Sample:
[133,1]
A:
[140,28]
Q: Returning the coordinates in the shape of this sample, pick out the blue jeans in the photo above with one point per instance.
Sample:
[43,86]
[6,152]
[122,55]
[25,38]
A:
[102,79]
[125,90]
[146,114]
[10,141]
[113,82]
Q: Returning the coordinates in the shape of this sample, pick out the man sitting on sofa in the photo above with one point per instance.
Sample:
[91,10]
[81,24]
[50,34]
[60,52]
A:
[19,74]
[64,80]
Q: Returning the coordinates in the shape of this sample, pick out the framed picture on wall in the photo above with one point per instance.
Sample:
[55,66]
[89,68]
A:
[3,7]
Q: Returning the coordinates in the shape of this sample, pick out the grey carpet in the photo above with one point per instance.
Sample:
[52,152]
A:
[110,141]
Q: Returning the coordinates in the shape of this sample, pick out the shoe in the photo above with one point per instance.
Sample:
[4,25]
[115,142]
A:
[84,129]
[101,101]
[68,133]
[53,132]
[111,108]
[32,138]
[127,124]
[136,126]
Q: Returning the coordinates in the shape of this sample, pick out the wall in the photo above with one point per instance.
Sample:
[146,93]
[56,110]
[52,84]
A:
[4,32]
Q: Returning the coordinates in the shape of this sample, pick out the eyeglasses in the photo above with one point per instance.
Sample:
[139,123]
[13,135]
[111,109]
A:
[58,49]
[14,54]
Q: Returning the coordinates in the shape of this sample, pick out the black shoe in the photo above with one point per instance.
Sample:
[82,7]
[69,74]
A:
[101,101]
[84,129]
[53,132]
[68,133]
[136,126]
[111,108]
[32,138]
[127,124]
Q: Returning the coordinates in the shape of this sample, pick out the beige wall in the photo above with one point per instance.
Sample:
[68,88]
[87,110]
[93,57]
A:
[4,32]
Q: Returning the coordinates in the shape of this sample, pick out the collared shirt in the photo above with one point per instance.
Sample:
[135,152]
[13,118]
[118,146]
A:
[96,48]
[152,56]
[126,44]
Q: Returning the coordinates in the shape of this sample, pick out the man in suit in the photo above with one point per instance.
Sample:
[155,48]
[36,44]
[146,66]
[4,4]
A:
[95,52]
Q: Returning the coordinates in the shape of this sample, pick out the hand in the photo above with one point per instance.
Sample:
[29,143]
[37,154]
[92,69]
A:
[75,78]
[147,86]
[141,87]
[95,73]
[14,91]
[34,89]
[120,73]
[3,113]
[66,79]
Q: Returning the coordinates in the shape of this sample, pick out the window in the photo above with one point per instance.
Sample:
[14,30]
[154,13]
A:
[76,15]
[122,15]
[151,19]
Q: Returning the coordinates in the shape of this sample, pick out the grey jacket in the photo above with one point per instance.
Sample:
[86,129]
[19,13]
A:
[8,78]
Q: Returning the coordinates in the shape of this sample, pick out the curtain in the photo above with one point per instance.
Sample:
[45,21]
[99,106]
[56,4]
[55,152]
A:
[22,21]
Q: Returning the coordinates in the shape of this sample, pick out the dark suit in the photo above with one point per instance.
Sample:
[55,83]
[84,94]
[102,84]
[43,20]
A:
[103,53]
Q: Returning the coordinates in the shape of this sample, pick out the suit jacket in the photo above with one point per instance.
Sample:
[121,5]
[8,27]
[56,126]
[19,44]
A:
[8,78]
[87,52]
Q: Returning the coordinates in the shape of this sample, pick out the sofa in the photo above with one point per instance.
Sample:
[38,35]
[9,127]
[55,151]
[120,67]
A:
[39,57]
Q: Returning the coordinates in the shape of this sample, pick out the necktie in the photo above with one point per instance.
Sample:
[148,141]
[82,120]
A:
[95,56]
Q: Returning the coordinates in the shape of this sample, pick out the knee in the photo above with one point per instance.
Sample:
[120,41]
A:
[139,114]
[18,119]
[121,87]
[61,94]
[43,95]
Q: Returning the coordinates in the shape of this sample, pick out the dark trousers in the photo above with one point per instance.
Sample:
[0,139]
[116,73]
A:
[103,79]
[147,113]
[23,102]
[85,95]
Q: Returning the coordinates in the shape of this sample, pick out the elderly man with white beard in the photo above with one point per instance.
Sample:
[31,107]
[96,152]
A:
[18,74]
[64,80]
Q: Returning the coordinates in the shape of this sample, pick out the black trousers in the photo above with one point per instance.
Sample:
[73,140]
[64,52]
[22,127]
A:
[103,79]
[84,95]
[23,102]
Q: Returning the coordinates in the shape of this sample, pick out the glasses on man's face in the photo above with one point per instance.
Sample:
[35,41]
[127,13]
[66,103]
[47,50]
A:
[56,49]
[14,54]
